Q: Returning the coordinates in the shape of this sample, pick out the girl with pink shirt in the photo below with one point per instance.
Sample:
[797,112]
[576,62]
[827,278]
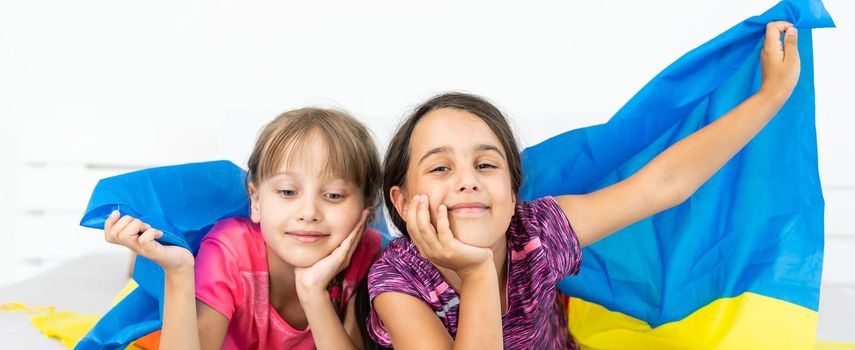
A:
[285,277]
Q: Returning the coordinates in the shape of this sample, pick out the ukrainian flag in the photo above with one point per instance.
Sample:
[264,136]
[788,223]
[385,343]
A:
[738,265]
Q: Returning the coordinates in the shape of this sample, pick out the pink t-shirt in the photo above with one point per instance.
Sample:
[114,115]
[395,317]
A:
[232,278]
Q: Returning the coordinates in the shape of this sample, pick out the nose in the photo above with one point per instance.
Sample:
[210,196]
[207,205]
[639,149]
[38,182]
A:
[468,181]
[308,211]
[467,187]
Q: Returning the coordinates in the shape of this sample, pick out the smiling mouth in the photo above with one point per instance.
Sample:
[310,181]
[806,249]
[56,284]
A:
[307,236]
[468,208]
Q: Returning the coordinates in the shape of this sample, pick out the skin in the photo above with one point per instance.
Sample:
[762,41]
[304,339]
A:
[297,199]
[455,158]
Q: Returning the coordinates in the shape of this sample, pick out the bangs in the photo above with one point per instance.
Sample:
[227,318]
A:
[336,162]
[342,154]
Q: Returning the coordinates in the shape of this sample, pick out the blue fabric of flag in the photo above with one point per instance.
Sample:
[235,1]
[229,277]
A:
[757,225]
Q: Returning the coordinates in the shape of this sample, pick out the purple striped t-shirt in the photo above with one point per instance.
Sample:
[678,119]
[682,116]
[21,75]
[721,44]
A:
[542,249]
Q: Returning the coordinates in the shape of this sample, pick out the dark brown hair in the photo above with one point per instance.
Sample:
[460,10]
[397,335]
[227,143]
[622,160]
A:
[398,154]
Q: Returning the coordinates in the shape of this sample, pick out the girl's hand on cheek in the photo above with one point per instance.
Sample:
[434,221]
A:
[438,245]
[317,277]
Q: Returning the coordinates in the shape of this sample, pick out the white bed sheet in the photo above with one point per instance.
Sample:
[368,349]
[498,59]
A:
[84,285]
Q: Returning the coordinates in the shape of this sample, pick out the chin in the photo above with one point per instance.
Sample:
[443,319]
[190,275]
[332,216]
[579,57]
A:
[476,234]
[296,258]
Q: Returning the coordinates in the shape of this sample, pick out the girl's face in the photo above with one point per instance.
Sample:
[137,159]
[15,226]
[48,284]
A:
[457,160]
[305,214]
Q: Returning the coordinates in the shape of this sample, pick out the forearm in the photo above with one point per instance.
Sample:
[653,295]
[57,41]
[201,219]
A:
[686,165]
[480,318]
[327,329]
[180,329]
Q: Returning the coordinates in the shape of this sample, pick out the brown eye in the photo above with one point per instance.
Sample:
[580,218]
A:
[439,169]
[335,196]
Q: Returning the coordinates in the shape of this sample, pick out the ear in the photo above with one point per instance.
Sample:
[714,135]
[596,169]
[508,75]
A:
[254,207]
[399,200]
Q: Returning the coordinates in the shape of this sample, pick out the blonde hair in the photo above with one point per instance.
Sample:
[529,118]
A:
[350,149]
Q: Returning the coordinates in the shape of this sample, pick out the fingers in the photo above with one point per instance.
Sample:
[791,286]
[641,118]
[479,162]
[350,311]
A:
[146,240]
[116,226]
[423,219]
[791,45]
[356,232]
[111,220]
[788,51]
[108,225]
[125,231]
[361,224]
[773,34]
[443,227]
[780,61]
[341,255]
[132,229]
[352,241]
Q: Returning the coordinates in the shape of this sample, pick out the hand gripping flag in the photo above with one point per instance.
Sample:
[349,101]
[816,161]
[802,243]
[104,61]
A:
[737,265]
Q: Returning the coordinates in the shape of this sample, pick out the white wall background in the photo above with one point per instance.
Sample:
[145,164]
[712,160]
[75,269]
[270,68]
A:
[89,89]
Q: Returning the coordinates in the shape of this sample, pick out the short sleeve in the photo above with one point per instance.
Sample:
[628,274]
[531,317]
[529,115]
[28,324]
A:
[563,252]
[383,277]
[217,277]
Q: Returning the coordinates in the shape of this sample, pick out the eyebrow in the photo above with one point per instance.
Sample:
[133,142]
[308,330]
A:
[443,149]
[484,148]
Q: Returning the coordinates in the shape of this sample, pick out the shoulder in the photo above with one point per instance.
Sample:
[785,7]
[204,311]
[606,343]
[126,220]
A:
[231,248]
[536,217]
[402,254]
[541,225]
[228,228]
[370,245]
[236,238]
[400,268]
[400,247]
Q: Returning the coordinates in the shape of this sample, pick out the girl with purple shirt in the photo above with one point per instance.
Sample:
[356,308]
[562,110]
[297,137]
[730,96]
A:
[478,268]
